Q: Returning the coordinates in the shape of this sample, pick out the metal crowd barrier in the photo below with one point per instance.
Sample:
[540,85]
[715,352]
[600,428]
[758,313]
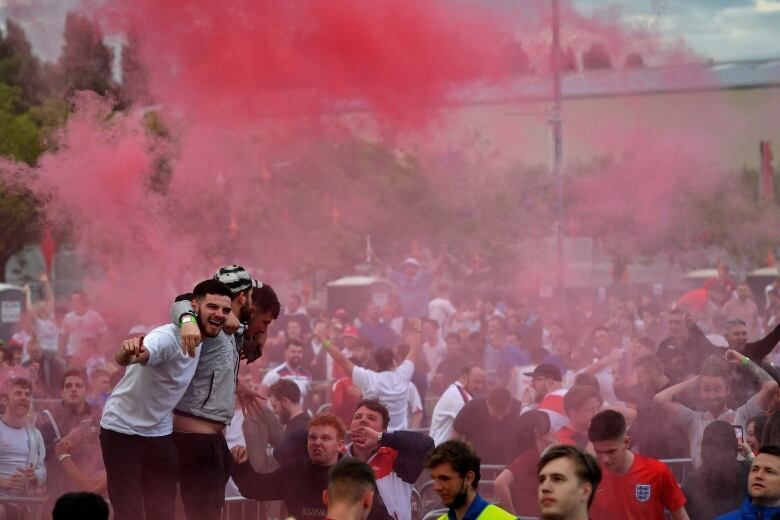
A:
[29,508]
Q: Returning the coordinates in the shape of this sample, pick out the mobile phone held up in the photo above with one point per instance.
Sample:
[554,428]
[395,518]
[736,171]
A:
[740,433]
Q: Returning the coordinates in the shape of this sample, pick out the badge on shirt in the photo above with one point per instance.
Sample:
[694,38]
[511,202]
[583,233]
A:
[642,492]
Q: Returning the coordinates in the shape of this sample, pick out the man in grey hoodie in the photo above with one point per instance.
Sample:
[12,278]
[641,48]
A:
[207,406]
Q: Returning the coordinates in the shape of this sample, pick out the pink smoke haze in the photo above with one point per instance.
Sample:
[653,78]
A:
[254,93]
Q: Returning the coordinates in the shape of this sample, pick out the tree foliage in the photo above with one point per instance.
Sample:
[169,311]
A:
[21,218]
[86,60]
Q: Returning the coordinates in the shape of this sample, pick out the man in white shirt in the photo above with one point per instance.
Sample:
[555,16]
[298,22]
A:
[291,369]
[81,323]
[390,382]
[21,446]
[470,384]
[137,424]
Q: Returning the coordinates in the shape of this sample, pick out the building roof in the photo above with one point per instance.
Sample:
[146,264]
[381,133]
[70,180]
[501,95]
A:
[635,81]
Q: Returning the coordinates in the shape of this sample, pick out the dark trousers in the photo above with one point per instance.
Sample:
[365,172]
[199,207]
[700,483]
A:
[204,469]
[142,473]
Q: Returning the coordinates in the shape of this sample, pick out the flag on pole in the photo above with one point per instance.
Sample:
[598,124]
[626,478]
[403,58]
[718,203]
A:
[767,183]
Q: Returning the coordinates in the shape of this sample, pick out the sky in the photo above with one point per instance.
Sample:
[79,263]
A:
[716,29]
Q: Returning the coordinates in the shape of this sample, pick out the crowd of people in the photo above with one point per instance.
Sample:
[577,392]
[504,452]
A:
[606,406]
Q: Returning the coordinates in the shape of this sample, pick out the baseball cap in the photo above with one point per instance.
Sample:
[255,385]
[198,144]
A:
[410,260]
[350,332]
[236,278]
[546,370]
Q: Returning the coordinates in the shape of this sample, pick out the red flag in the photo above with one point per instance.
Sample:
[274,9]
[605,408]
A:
[48,248]
[767,185]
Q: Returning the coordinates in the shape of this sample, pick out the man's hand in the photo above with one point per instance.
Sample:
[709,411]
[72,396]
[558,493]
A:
[251,400]
[734,357]
[29,475]
[231,324]
[190,338]
[130,349]
[15,483]
[365,438]
[239,454]
[63,447]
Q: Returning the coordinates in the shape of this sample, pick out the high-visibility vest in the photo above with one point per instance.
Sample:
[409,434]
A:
[491,512]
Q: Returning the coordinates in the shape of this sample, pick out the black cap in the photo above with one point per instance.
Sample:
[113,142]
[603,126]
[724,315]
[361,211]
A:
[546,370]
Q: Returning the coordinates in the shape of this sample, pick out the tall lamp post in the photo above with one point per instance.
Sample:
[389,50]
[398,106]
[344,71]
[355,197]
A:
[557,141]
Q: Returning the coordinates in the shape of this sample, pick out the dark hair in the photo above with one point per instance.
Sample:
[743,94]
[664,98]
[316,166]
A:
[770,449]
[716,366]
[376,406]
[21,382]
[647,343]
[576,397]
[349,479]
[585,466]
[649,363]
[586,379]
[211,286]
[73,372]
[607,425]
[285,388]
[468,368]
[719,473]
[81,505]
[529,426]
[771,434]
[384,359]
[500,398]
[292,343]
[458,454]
[265,300]
[363,343]
[759,423]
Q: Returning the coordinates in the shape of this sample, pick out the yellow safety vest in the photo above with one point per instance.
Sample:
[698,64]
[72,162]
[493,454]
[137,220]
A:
[491,512]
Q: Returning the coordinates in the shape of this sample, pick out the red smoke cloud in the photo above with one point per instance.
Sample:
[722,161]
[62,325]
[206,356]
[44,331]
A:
[252,91]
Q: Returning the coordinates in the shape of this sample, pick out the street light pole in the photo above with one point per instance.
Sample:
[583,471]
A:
[557,138]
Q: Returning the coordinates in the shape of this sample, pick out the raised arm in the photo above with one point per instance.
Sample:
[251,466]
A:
[665,399]
[338,357]
[758,350]
[766,394]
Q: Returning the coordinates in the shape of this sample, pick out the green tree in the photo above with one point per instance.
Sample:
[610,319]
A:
[18,131]
[21,218]
[19,66]
[86,60]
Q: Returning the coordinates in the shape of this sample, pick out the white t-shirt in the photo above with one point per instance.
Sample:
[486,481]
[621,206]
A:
[143,400]
[299,377]
[48,334]
[440,309]
[390,387]
[77,328]
[447,407]
[14,449]
[434,354]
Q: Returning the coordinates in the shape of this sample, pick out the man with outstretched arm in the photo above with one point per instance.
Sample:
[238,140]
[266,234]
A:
[207,406]
[136,434]
[397,458]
